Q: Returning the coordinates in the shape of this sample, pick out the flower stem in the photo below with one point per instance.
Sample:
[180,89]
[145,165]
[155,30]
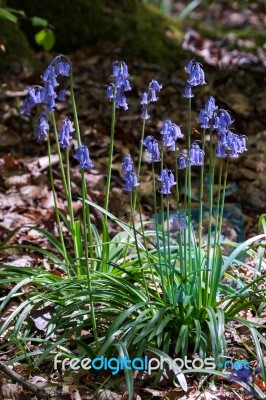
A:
[56,209]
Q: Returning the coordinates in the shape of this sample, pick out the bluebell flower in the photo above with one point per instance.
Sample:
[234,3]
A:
[145,114]
[34,96]
[64,133]
[130,181]
[188,92]
[153,150]
[154,87]
[147,140]
[42,129]
[83,157]
[49,96]
[110,91]
[210,106]
[182,161]
[222,120]
[120,73]
[167,178]
[120,100]
[115,91]
[144,98]
[62,67]
[243,143]
[204,119]
[50,76]
[170,133]
[127,164]
[129,175]
[195,155]
[196,74]
[220,151]
[207,113]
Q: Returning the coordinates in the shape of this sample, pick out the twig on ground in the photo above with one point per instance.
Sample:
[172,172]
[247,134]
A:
[39,392]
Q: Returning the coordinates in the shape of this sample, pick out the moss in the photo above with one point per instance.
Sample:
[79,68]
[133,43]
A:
[139,30]
[15,43]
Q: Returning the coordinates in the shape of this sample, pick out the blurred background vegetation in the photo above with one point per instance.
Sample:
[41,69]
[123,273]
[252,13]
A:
[150,30]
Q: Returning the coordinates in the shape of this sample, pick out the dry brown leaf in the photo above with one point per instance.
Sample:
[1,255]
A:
[17,181]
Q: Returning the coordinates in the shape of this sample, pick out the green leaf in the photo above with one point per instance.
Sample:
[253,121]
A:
[45,38]
[6,14]
[37,21]
[128,373]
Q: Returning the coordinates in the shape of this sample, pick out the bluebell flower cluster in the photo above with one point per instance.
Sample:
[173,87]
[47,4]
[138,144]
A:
[83,157]
[149,97]
[46,94]
[228,143]
[179,221]
[167,179]
[195,155]
[64,133]
[116,91]
[152,148]
[129,175]
[171,132]
[196,77]
[220,120]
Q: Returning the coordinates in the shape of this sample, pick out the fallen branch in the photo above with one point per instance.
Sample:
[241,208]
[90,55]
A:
[40,393]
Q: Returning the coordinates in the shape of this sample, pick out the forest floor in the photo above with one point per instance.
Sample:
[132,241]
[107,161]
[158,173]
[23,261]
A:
[235,77]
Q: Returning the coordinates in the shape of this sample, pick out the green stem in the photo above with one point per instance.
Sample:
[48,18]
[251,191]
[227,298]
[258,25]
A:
[156,229]
[86,216]
[56,208]
[110,161]
[200,222]
[147,251]
[105,246]
[189,186]
[223,197]
[210,203]
[67,192]
[137,249]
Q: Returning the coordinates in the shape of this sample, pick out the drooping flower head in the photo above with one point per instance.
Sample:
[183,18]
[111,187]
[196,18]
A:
[115,91]
[153,150]
[207,113]
[182,161]
[83,157]
[34,96]
[129,175]
[154,87]
[195,155]
[64,133]
[127,164]
[196,73]
[149,97]
[167,179]
[171,132]
[62,67]
[222,120]
[188,92]
[42,129]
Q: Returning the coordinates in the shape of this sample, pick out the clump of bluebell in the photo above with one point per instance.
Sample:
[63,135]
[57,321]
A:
[48,95]
[210,117]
